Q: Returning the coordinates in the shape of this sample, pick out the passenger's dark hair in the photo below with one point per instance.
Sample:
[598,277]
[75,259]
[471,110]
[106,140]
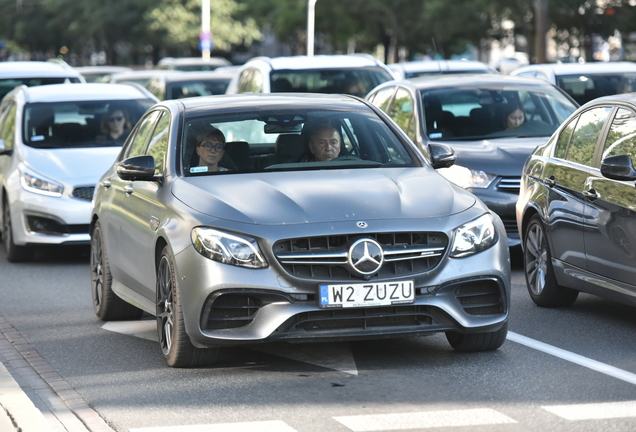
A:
[508,109]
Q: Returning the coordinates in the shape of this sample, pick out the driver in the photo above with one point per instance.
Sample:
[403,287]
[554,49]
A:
[324,144]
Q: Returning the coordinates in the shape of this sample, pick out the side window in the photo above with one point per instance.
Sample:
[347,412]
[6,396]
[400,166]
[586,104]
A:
[585,136]
[564,139]
[7,125]
[621,139]
[402,112]
[382,98]
[159,143]
[138,143]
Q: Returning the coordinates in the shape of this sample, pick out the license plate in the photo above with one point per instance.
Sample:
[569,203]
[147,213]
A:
[366,294]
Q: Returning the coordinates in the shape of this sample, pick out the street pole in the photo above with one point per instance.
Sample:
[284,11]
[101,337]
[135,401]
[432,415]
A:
[205,29]
[311,16]
[541,30]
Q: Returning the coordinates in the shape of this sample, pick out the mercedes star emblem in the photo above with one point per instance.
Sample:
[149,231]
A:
[366,256]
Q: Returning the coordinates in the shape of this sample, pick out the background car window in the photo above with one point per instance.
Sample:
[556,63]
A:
[402,112]
[138,145]
[358,81]
[586,134]
[382,98]
[159,143]
[564,139]
[621,139]
[585,87]
[7,126]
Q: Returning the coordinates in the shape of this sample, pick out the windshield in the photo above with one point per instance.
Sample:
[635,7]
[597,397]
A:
[81,124]
[6,85]
[177,90]
[289,140]
[585,87]
[355,81]
[494,111]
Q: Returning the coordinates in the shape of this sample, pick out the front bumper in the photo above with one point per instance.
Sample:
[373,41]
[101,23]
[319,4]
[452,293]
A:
[466,295]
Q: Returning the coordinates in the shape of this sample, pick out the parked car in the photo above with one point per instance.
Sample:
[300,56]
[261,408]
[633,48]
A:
[576,210]
[587,81]
[415,69]
[54,146]
[140,77]
[100,73]
[466,113]
[34,73]
[189,84]
[261,244]
[189,64]
[348,74]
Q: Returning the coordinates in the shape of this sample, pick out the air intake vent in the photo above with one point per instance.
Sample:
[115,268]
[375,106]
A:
[480,297]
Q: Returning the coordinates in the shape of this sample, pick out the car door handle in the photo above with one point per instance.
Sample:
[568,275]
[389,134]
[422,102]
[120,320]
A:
[550,181]
[105,184]
[590,194]
[128,189]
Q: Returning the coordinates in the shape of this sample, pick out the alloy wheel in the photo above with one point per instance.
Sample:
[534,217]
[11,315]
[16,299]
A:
[536,256]
[97,270]
[165,305]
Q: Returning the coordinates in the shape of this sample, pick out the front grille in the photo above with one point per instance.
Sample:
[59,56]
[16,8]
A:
[480,297]
[510,184]
[325,258]
[510,223]
[84,193]
[361,319]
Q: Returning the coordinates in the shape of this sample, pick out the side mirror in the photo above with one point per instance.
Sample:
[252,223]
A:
[4,149]
[618,168]
[137,168]
[442,155]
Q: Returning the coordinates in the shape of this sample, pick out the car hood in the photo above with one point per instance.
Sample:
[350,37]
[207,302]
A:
[71,165]
[500,156]
[278,198]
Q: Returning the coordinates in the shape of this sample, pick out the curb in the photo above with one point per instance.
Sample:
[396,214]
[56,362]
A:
[31,391]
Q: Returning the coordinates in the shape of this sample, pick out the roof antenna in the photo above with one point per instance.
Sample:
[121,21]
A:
[439,64]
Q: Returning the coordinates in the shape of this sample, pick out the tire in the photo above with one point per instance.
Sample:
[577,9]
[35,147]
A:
[107,305]
[175,343]
[474,342]
[537,267]
[14,252]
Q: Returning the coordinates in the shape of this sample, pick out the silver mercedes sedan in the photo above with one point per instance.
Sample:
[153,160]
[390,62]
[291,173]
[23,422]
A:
[242,219]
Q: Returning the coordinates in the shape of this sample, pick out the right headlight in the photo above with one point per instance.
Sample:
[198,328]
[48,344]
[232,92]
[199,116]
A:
[227,248]
[37,183]
[466,177]
[473,237]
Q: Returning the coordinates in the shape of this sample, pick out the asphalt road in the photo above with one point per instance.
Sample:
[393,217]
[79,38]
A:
[560,369]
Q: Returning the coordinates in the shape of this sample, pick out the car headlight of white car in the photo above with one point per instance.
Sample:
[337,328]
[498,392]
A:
[473,237]
[228,248]
[466,177]
[37,183]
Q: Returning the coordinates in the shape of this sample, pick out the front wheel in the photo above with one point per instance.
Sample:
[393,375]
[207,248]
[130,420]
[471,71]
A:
[14,252]
[107,305]
[175,343]
[473,342]
[537,266]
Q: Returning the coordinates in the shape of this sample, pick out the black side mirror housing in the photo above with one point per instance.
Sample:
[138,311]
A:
[137,168]
[442,156]
[618,167]
[3,148]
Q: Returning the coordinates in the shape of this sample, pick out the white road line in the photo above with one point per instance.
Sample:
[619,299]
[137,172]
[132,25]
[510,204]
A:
[423,420]
[574,358]
[607,410]
[259,426]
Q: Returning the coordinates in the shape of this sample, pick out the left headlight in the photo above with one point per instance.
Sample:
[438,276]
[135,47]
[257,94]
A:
[466,177]
[474,236]
[227,248]
[39,184]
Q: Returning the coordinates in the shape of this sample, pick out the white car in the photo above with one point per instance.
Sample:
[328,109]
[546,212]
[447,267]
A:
[585,81]
[354,74]
[34,73]
[53,149]
[414,69]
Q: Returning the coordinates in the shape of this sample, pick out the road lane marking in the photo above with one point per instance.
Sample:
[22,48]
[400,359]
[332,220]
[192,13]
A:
[330,355]
[424,420]
[596,411]
[258,426]
[574,358]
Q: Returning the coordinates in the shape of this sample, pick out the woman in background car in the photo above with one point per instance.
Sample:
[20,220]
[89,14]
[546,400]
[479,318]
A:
[513,116]
[116,125]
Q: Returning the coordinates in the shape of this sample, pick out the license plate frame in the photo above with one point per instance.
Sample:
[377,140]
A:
[369,294]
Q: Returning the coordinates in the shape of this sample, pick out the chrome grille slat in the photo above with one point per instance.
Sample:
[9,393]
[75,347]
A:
[509,184]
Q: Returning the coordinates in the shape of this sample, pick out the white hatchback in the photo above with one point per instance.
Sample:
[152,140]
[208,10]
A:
[55,142]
